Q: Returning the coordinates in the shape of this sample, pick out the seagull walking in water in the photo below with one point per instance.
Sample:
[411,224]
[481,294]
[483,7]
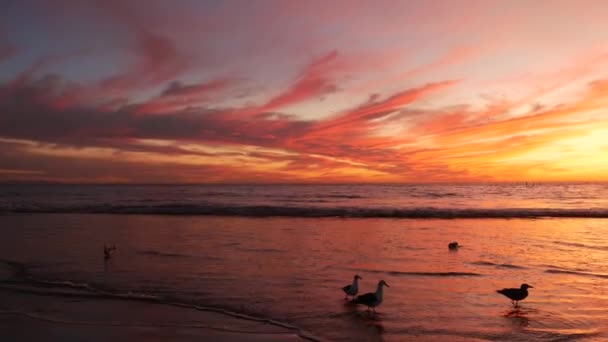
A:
[516,294]
[371,299]
[352,289]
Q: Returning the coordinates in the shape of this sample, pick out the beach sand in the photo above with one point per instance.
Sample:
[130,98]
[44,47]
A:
[32,317]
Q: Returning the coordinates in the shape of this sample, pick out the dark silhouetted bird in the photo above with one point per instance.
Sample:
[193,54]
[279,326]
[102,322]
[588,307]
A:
[352,289]
[516,294]
[108,251]
[453,245]
[371,299]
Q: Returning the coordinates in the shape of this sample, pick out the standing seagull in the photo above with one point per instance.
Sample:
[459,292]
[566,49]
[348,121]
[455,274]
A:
[514,294]
[352,289]
[371,300]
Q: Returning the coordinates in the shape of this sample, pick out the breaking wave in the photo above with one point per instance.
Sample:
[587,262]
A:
[311,211]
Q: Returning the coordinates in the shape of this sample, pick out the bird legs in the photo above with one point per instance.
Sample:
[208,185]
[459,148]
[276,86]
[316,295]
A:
[515,303]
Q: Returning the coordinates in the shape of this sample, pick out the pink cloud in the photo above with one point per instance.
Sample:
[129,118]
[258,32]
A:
[158,61]
[158,58]
[374,110]
[312,82]
[177,96]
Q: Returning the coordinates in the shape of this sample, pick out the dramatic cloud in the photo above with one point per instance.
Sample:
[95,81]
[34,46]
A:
[366,93]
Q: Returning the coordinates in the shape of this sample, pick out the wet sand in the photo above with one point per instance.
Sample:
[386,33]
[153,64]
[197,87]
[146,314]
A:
[31,317]
[291,271]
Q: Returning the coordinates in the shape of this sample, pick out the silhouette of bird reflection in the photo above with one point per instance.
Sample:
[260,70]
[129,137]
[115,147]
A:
[518,317]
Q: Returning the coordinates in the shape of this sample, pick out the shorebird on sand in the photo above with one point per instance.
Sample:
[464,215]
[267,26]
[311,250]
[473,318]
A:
[371,299]
[516,294]
[352,289]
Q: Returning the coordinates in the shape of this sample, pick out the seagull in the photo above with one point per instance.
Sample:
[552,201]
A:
[514,294]
[453,245]
[352,289]
[107,251]
[371,299]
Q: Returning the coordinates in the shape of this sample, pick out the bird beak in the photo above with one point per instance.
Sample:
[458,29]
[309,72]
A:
[386,285]
[531,287]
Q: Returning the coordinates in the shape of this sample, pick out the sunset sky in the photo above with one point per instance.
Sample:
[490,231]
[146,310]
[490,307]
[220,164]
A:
[303,91]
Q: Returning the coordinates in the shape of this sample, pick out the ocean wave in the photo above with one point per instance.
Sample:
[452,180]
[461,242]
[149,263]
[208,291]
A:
[18,270]
[164,254]
[488,263]
[584,274]
[261,250]
[312,211]
[581,245]
[437,194]
[424,274]
[59,287]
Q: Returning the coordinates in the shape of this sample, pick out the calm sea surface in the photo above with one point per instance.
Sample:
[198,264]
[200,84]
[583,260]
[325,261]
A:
[283,253]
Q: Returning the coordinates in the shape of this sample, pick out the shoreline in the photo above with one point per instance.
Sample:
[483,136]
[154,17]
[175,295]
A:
[26,316]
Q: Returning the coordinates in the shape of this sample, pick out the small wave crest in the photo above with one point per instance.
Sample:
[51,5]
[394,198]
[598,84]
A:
[488,263]
[163,254]
[59,287]
[45,318]
[425,274]
[17,269]
[581,245]
[261,250]
[577,273]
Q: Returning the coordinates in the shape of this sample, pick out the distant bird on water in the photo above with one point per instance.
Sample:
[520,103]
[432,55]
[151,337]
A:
[107,251]
[352,289]
[371,299]
[516,294]
[453,245]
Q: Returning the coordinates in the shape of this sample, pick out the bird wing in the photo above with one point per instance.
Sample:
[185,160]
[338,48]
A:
[346,288]
[515,294]
[366,298]
[506,292]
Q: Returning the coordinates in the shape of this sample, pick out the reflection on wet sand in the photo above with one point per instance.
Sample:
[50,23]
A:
[368,327]
[519,317]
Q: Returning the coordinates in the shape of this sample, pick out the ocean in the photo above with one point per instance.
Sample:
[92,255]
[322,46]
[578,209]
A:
[278,255]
